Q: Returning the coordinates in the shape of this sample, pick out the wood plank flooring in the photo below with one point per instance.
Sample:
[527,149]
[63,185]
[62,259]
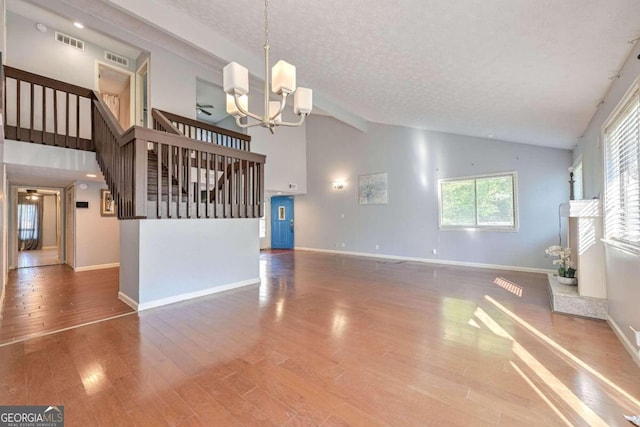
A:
[38,258]
[333,340]
[46,299]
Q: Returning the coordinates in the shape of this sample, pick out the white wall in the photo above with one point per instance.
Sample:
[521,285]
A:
[43,156]
[181,259]
[408,225]
[97,243]
[286,152]
[49,220]
[622,268]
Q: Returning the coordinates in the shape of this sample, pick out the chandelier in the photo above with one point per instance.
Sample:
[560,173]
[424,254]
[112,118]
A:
[283,83]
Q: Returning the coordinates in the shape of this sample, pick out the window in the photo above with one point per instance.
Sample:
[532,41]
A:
[578,178]
[622,158]
[482,202]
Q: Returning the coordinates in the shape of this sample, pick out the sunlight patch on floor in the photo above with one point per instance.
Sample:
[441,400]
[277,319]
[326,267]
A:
[509,286]
[563,351]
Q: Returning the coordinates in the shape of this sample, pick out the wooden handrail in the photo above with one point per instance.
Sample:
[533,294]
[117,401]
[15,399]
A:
[191,122]
[18,74]
[200,131]
[164,122]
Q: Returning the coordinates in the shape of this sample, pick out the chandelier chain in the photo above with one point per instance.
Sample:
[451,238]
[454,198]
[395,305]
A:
[266,23]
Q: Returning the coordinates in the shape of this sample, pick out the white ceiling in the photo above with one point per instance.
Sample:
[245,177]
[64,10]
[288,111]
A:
[36,177]
[530,71]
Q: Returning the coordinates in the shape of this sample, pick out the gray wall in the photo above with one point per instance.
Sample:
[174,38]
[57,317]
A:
[408,225]
[31,50]
[622,268]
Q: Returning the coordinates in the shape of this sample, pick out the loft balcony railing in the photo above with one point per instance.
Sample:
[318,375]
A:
[179,169]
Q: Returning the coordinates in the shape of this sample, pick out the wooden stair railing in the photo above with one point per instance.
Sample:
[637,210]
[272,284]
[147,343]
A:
[191,179]
[46,111]
[200,131]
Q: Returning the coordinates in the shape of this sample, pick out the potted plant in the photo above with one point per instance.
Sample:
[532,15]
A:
[566,271]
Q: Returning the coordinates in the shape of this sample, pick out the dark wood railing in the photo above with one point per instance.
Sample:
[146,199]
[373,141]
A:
[46,111]
[191,178]
[201,131]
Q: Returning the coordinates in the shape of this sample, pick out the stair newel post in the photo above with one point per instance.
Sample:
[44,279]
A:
[140,171]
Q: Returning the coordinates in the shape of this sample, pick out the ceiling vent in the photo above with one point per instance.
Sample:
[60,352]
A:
[117,59]
[69,41]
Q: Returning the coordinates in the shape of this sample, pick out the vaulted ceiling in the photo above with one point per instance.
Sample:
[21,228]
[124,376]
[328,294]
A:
[530,71]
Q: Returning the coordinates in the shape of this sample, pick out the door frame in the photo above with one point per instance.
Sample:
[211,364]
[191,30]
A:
[70,232]
[13,223]
[142,69]
[132,86]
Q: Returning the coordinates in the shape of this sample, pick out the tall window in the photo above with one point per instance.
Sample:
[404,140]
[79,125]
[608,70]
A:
[483,202]
[578,178]
[622,163]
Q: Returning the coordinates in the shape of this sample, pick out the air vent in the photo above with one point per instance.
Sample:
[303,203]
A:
[69,41]
[117,59]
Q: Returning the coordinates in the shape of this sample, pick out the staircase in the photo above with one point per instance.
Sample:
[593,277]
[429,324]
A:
[179,169]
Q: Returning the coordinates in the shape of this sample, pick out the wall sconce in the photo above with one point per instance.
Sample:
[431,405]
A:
[338,185]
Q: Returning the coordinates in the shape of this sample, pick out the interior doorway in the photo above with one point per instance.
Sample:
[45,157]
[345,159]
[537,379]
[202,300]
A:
[142,95]
[117,91]
[38,227]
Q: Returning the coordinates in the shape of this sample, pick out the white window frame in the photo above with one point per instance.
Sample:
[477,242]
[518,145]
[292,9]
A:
[513,228]
[620,243]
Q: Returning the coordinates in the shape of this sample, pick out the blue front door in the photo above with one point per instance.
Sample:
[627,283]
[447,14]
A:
[282,222]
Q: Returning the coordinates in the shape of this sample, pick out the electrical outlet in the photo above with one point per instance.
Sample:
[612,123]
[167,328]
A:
[342,216]
[434,251]
[377,247]
[343,245]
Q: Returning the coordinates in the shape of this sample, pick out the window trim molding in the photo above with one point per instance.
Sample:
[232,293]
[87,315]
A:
[500,228]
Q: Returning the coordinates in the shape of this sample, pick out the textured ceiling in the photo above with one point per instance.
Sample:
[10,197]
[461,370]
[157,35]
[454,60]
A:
[529,71]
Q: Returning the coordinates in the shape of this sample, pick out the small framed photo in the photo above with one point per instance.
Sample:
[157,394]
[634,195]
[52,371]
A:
[107,204]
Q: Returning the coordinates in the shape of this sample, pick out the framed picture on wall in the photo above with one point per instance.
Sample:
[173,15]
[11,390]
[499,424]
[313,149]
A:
[107,204]
[372,189]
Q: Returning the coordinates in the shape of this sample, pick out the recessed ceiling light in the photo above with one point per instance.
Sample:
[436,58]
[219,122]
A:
[41,27]
[490,135]
[92,175]
[78,24]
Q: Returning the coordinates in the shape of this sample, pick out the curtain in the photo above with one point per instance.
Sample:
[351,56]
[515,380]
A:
[113,102]
[29,222]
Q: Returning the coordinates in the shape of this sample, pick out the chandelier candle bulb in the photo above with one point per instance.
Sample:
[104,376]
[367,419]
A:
[235,79]
[232,108]
[303,101]
[283,78]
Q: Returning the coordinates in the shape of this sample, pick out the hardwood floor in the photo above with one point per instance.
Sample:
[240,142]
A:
[45,299]
[38,258]
[335,340]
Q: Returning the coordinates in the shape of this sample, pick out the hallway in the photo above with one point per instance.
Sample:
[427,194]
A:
[41,300]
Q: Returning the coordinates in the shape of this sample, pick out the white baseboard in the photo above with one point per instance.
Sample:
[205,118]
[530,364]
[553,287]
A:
[128,300]
[633,351]
[49,247]
[97,267]
[432,261]
[196,294]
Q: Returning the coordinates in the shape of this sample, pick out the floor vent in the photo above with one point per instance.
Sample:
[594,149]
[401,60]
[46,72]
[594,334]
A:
[115,58]
[69,41]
